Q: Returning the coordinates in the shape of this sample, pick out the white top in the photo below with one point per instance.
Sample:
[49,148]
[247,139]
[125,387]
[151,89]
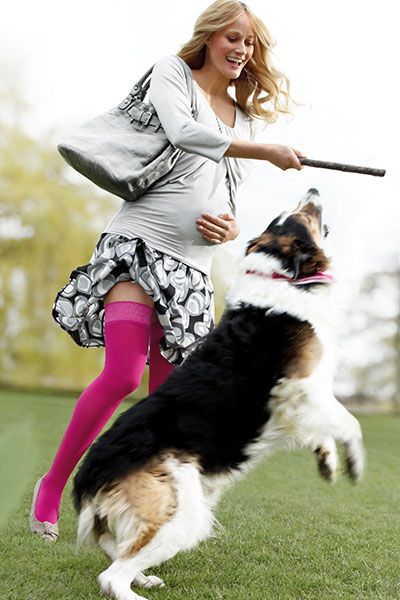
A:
[165,216]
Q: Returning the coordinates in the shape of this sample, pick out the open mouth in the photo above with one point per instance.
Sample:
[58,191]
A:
[235,62]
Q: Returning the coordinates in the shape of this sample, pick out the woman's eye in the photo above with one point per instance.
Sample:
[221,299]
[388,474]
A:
[233,39]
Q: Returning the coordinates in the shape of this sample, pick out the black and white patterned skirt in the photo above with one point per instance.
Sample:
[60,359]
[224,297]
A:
[183,297]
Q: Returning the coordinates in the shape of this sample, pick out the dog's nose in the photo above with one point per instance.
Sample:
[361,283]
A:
[311,197]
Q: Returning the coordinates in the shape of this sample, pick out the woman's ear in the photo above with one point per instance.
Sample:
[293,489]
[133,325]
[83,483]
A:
[208,40]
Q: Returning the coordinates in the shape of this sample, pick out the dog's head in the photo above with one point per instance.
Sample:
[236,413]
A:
[295,238]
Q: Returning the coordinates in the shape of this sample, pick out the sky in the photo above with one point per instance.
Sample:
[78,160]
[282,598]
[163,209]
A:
[74,60]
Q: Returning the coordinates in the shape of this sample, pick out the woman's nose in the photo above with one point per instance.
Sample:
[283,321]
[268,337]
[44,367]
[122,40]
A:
[240,47]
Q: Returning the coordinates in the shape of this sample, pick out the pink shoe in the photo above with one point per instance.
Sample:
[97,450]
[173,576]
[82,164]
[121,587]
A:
[46,530]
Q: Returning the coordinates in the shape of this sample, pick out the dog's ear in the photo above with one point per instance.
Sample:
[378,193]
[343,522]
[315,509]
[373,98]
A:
[252,244]
[300,259]
[259,242]
[305,260]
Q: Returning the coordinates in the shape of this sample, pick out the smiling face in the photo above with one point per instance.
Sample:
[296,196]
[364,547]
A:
[229,49]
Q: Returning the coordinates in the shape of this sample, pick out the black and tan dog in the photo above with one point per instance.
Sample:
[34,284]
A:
[260,381]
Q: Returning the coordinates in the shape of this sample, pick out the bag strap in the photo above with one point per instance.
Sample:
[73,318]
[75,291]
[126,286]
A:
[190,85]
[228,178]
[140,89]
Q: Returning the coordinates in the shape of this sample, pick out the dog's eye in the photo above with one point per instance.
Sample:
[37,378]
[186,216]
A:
[325,231]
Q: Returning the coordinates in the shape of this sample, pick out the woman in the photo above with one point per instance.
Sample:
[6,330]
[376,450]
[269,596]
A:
[154,257]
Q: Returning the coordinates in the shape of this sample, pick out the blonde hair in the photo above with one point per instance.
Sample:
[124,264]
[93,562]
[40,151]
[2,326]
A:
[259,76]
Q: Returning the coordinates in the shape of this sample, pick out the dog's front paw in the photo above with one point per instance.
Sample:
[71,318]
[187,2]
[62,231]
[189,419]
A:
[327,460]
[355,458]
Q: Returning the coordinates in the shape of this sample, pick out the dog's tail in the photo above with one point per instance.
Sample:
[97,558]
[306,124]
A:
[86,525]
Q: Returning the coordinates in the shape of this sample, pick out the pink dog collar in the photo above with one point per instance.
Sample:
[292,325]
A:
[319,277]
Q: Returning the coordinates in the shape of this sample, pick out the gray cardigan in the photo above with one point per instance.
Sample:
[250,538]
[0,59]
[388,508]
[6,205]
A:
[165,216]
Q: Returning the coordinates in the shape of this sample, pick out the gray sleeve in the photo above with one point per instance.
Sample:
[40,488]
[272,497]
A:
[170,97]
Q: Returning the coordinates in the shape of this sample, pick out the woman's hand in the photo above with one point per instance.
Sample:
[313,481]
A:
[218,230]
[284,157]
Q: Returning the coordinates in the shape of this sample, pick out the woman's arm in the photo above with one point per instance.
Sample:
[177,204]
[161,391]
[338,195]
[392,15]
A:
[279,155]
[170,97]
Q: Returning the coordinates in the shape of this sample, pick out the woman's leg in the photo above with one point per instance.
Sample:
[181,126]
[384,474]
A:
[127,329]
[160,368]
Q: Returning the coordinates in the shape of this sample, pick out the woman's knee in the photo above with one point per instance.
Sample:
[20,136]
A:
[121,384]
[128,383]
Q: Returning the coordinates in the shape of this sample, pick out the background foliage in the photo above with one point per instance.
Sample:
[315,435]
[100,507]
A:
[49,225]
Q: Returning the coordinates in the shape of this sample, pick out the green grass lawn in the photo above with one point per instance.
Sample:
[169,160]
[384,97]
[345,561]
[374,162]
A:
[285,533]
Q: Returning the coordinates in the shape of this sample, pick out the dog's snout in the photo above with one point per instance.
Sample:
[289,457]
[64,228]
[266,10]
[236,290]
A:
[312,196]
[311,203]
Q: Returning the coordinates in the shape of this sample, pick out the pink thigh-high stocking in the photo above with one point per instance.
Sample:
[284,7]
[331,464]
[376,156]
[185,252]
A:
[127,330]
[159,367]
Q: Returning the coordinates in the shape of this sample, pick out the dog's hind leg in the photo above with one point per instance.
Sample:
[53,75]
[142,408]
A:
[147,581]
[158,536]
[108,544]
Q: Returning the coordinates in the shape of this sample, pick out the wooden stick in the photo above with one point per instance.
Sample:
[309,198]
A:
[321,164]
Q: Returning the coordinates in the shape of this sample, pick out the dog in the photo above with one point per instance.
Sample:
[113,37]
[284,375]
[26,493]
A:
[261,380]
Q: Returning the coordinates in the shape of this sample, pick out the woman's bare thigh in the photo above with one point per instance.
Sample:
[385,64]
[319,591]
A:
[127,291]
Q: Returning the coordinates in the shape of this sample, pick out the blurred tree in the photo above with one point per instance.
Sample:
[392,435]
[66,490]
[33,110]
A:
[48,226]
[375,334]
